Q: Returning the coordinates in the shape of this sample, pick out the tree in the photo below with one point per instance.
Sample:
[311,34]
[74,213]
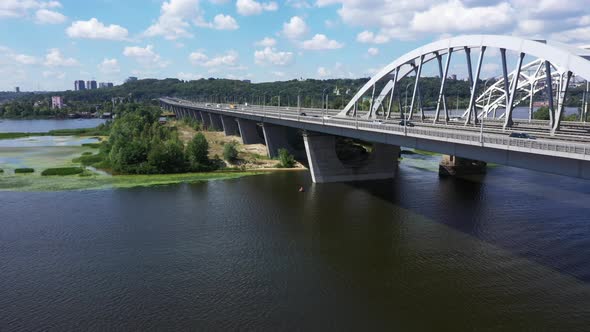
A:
[286,159]
[197,153]
[542,113]
[230,153]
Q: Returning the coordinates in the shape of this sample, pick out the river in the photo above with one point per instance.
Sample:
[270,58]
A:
[42,126]
[505,251]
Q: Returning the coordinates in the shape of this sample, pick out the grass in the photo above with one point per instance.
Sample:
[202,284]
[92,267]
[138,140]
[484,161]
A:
[24,170]
[60,132]
[62,171]
[92,145]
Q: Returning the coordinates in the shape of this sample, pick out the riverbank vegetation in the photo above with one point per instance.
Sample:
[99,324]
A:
[24,170]
[62,171]
[101,130]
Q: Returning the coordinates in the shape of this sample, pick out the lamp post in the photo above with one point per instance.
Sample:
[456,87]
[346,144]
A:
[324,106]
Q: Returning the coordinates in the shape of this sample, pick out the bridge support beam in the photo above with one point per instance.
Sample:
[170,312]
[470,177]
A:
[457,166]
[325,166]
[206,120]
[249,132]
[216,122]
[230,126]
[281,137]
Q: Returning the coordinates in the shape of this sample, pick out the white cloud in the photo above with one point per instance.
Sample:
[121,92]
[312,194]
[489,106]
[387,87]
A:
[54,58]
[46,16]
[295,28]
[172,23]
[321,42]
[373,51]
[230,59]
[94,29]
[267,42]
[109,66]
[22,8]
[252,7]
[272,56]
[225,22]
[453,16]
[220,22]
[25,59]
[145,56]
[384,21]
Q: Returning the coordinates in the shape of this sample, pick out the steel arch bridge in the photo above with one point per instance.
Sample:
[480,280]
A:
[552,72]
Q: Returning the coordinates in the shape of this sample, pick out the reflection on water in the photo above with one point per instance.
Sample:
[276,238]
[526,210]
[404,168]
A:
[504,251]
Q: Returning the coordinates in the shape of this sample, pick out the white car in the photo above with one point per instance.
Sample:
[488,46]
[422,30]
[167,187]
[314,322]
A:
[218,105]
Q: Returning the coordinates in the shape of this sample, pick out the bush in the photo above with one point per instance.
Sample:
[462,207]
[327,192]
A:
[62,171]
[286,160]
[1,171]
[197,153]
[542,113]
[87,153]
[24,170]
[230,152]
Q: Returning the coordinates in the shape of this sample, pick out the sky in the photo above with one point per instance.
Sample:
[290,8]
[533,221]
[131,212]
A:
[47,44]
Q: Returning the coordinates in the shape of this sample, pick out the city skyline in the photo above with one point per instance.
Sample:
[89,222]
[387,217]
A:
[60,42]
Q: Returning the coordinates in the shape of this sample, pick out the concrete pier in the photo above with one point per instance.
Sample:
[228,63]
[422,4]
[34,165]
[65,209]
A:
[230,126]
[216,122]
[249,132]
[457,166]
[206,120]
[325,166]
[281,137]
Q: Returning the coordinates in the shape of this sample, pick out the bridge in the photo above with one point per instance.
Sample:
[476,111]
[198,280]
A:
[480,134]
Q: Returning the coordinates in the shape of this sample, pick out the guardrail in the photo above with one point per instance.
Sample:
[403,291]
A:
[286,113]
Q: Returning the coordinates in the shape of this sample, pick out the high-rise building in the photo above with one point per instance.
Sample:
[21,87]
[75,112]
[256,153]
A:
[17,89]
[131,79]
[110,85]
[103,85]
[57,102]
[93,85]
[79,85]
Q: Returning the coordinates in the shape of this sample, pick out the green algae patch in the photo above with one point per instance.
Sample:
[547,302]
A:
[62,171]
[85,181]
[24,170]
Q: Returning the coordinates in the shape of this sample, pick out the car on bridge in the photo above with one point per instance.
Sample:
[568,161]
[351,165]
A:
[406,123]
[521,135]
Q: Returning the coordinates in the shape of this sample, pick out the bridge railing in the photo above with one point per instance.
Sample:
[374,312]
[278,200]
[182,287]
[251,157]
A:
[354,123]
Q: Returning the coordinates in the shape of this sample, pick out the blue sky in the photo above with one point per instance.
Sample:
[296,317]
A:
[47,44]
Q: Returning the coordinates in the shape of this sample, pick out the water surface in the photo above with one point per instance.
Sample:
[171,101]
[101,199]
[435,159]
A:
[42,126]
[506,251]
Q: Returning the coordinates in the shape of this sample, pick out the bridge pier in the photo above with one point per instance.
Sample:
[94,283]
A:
[216,122]
[230,126]
[249,132]
[206,120]
[281,137]
[325,166]
[457,166]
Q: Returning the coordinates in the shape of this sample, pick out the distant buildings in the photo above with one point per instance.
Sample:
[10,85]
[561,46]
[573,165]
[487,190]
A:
[91,85]
[79,85]
[247,81]
[454,77]
[131,79]
[57,102]
[17,89]
[103,85]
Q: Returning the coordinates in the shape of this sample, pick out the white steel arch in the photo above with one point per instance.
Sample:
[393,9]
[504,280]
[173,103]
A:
[555,56]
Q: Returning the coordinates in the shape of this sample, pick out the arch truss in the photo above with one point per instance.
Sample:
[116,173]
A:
[551,73]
